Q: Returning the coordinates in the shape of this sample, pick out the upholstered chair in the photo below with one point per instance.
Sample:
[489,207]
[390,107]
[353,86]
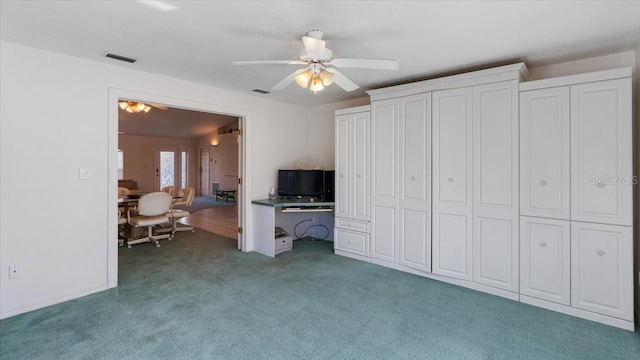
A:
[174,214]
[168,189]
[151,211]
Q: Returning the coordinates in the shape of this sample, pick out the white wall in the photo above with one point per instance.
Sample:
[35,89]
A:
[139,158]
[606,62]
[223,152]
[55,119]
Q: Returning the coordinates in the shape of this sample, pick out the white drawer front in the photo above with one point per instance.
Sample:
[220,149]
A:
[354,225]
[350,241]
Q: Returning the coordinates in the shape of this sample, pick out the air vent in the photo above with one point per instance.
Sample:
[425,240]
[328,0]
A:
[120,57]
[260,91]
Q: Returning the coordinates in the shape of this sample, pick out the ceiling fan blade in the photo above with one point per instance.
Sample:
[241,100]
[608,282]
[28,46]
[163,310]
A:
[314,47]
[286,81]
[342,81]
[380,64]
[270,62]
[158,106]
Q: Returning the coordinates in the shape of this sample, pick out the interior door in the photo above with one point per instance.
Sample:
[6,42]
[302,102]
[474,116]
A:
[204,171]
[171,167]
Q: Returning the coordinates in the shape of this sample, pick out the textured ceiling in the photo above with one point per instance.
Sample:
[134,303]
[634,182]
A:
[198,40]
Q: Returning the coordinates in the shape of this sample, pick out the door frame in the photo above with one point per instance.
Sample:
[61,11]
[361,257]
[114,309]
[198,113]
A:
[245,219]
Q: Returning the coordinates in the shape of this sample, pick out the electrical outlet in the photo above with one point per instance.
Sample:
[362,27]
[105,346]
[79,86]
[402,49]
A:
[14,271]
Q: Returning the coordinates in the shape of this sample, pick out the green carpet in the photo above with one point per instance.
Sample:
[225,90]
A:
[197,297]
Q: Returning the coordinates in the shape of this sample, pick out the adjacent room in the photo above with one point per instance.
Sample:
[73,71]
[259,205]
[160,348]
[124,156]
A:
[319,179]
[161,146]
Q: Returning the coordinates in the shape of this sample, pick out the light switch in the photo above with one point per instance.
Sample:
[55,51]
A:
[86,173]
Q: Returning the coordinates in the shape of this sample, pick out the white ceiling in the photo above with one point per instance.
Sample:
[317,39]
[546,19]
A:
[198,40]
[172,122]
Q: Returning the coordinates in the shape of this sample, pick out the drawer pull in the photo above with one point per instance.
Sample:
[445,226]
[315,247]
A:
[600,185]
[451,179]
[413,178]
[543,182]
[543,244]
[600,252]
[341,175]
[359,176]
[349,242]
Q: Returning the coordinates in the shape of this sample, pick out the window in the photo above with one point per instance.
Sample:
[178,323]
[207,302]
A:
[120,165]
[183,173]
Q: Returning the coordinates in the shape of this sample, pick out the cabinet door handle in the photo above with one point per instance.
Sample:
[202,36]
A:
[600,252]
[451,179]
[341,175]
[543,244]
[600,185]
[413,178]
[359,176]
[543,182]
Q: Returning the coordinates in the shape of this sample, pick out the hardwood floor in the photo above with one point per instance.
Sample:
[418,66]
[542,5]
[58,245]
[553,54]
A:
[220,220]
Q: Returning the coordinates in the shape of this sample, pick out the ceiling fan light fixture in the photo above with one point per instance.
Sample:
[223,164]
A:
[303,78]
[134,107]
[316,84]
[327,77]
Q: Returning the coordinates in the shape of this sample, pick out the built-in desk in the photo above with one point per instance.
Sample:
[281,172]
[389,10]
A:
[264,218]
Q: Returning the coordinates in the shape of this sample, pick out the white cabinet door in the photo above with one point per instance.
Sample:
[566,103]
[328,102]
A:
[415,181]
[495,185]
[343,166]
[601,152]
[452,245]
[545,259]
[452,201]
[360,169]
[602,269]
[384,183]
[545,153]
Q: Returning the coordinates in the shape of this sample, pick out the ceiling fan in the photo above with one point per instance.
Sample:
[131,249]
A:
[317,58]
[137,106]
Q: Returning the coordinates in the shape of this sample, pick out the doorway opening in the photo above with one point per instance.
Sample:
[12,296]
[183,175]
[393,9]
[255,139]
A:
[175,163]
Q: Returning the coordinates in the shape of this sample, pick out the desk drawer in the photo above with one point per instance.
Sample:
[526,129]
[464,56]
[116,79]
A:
[351,241]
[355,225]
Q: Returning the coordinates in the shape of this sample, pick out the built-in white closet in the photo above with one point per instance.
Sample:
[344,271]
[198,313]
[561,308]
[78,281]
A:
[576,199]
[518,189]
[352,194]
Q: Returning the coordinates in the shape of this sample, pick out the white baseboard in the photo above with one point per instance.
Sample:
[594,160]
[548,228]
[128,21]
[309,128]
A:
[464,283]
[608,320]
[24,308]
[352,256]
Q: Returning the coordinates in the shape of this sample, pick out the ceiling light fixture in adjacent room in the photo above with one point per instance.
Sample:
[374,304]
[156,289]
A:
[134,106]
